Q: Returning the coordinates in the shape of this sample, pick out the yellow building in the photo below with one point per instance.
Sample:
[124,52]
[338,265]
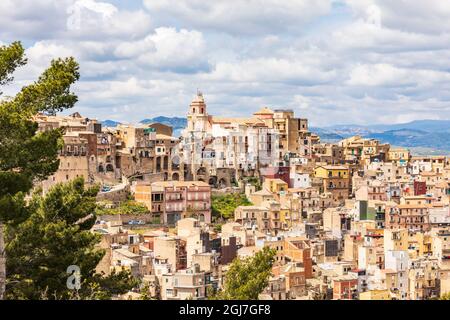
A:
[143,194]
[398,155]
[285,217]
[358,148]
[419,244]
[396,240]
[275,185]
[422,277]
[336,180]
[375,295]
[292,131]
[327,172]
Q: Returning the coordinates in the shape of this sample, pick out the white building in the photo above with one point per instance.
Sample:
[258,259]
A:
[398,262]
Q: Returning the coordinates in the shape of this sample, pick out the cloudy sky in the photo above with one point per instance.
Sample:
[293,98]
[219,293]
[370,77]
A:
[332,61]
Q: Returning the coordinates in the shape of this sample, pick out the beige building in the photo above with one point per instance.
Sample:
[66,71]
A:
[171,248]
[185,284]
[74,162]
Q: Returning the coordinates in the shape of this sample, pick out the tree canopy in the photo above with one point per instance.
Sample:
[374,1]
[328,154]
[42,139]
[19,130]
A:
[25,154]
[11,57]
[57,235]
[445,296]
[247,278]
[47,234]
[224,205]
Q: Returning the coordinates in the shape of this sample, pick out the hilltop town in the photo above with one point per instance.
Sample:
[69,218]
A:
[355,219]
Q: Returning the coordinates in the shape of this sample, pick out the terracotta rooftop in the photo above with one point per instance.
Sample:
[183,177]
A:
[240,121]
[264,111]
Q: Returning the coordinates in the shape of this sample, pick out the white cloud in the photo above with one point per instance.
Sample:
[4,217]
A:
[364,61]
[431,16]
[369,33]
[378,75]
[271,70]
[99,20]
[24,19]
[168,49]
[388,75]
[239,16]
[69,19]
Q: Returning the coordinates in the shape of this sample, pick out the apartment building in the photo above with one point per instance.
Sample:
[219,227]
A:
[399,156]
[185,284]
[171,248]
[412,213]
[335,180]
[174,200]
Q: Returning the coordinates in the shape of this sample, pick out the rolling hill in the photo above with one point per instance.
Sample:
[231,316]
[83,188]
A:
[177,123]
[417,135]
[110,123]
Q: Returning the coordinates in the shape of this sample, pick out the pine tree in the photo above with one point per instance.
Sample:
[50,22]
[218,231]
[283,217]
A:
[46,234]
[55,236]
[26,155]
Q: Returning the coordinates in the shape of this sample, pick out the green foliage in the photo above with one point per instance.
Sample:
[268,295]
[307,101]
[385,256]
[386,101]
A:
[247,278]
[45,235]
[55,236]
[25,154]
[145,292]
[127,207]
[218,227]
[211,293]
[101,287]
[224,205]
[11,57]
[254,181]
[445,296]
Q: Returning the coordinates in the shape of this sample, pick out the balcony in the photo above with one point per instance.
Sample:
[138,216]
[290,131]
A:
[175,200]
[334,187]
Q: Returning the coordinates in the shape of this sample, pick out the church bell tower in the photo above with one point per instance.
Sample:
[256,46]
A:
[197,116]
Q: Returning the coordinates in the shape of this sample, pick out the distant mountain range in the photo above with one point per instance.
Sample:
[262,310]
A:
[424,125]
[176,123]
[421,136]
[110,123]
